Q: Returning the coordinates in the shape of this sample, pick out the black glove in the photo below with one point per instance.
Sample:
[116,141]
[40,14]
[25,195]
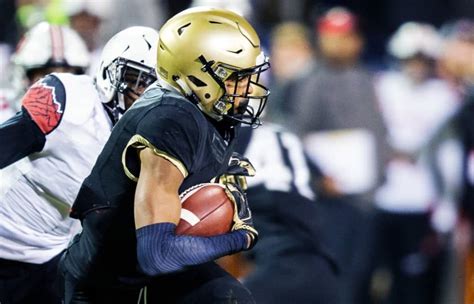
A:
[240,165]
[242,213]
[238,169]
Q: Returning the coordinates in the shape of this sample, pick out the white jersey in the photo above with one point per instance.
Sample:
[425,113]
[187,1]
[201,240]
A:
[413,113]
[279,160]
[36,193]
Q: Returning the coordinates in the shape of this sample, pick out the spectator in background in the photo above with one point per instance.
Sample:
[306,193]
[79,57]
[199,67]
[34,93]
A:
[87,18]
[335,113]
[451,155]
[96,21]
[8,36]
[292,55]
[338,98]
[414,104]
[456,62]
[241,7]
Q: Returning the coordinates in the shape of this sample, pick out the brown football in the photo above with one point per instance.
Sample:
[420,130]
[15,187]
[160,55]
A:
[205,211]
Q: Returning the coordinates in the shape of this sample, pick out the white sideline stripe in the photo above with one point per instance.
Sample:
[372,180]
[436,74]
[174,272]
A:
[189,217]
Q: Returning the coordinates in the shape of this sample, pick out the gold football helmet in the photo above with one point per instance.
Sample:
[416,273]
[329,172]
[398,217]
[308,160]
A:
[201,49]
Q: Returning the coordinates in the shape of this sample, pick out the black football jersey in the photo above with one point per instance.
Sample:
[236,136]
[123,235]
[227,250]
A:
[174,128]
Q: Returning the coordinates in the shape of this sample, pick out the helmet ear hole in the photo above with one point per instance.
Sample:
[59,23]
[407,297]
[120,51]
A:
[197,82]
[104,74]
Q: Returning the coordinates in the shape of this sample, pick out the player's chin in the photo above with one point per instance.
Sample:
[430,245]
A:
[130,98]
[242,104]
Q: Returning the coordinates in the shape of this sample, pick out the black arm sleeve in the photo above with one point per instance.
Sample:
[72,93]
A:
[19,137]
[160,250]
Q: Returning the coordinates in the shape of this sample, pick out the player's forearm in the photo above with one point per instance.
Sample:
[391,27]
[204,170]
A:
[19,137]
[160,250]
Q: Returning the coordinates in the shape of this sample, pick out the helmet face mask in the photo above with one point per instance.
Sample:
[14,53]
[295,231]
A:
[253,95]
[205,54]
[130,79]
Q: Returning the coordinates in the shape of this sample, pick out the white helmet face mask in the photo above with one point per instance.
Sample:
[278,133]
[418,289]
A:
[48,46]
[127,67]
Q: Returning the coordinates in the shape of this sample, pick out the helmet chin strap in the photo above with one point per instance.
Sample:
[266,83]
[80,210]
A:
[116,107]
[182,84]
[120,96]
[212,115]
[112,111]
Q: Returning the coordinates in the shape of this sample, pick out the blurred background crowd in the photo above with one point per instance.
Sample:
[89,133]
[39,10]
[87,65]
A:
[378,92]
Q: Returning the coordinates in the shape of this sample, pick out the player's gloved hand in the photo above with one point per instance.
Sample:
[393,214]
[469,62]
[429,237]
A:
[238,169]
[242,213]
[240,165]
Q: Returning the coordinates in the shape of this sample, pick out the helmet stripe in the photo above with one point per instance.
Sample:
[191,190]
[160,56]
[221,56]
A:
[57,43]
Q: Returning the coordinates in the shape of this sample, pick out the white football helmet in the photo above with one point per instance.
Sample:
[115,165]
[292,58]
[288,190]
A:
[129,54]
[48,46]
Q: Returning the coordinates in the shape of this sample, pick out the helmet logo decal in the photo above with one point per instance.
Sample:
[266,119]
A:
[126,49]
[147,43]
[57,43]
[246,37]
[235,52]
[182,28]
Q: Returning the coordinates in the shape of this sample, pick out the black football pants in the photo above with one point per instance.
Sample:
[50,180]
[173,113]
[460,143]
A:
[206,283]
[300,277]
[25,283]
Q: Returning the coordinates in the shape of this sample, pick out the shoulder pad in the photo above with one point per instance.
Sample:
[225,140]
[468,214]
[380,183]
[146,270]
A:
[82,97]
